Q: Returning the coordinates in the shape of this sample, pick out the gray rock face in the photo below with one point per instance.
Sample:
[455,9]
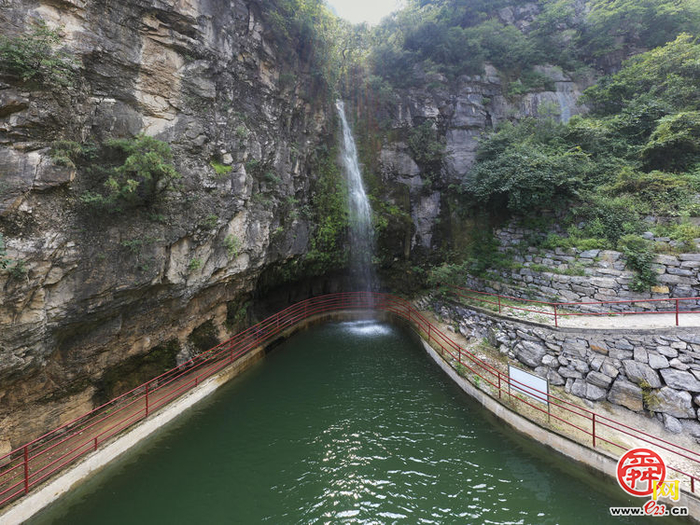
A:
[672,402]
[640,373]
[626,394]
[101,287]
[680,380]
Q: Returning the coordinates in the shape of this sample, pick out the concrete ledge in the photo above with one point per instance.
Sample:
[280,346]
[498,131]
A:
[556,442]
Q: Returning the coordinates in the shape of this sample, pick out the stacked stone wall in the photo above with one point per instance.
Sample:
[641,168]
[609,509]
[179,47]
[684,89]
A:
[572,275]
[657,372]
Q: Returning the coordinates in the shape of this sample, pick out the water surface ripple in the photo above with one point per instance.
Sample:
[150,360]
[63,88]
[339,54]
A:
[345,423]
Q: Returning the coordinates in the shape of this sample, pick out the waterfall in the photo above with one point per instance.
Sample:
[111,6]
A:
[359,210]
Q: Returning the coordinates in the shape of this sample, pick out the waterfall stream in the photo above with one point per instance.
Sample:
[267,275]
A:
[360,212]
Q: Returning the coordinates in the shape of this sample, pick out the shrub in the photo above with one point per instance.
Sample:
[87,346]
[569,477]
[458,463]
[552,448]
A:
[34,59]
[233,246]
[640,256]
[195,264]
[147,171]
[221,169]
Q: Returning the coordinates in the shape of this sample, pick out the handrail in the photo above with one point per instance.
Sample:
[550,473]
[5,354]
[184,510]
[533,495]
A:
[40,459]
[559,309]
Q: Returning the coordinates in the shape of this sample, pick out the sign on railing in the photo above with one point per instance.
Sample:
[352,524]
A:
[528,384]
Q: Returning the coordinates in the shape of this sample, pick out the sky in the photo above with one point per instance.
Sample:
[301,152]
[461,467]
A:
[357,11]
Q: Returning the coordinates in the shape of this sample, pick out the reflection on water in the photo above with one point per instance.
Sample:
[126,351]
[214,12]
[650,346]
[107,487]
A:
[346,423]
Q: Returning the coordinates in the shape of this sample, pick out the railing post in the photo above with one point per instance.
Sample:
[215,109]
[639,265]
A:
[676,312]
[556,322]
[95,442]
[499,304]
[499,385]
[26,469]
[147,384]
[593,430]
[429,326]
[692,484]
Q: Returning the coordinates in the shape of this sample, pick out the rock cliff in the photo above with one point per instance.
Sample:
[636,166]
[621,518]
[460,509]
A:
[95,287]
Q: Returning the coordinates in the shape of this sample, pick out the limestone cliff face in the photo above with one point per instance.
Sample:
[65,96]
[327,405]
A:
[102,287]
[460,111]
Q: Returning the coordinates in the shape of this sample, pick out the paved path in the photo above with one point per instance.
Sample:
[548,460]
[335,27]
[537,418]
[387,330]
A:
[631,321]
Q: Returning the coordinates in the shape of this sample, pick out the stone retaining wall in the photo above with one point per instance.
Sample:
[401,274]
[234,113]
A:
[594,275]
[657,371]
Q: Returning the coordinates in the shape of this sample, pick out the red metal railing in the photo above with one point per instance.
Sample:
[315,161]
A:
[559,310]
[35,462]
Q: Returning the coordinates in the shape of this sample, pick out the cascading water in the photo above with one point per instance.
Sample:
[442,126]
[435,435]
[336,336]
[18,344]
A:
[360,212]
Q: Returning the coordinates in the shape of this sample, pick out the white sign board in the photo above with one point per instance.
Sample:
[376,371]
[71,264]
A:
[528,384]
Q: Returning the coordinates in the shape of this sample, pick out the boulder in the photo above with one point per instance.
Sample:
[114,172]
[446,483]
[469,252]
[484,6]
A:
[626,394]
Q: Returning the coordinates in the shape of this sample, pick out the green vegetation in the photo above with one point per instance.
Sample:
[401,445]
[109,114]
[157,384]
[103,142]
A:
[195,264]
[221,169]
[330,215]
[35,59]
[637,154]
[456,37]
[210,222]
[233,246]
[138,171]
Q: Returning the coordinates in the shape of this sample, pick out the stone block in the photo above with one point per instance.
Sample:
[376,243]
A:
[674,279]
[626,394]
[678,364]
[667,351]
[597,363]
[667,260]
[622,355]
[680,380]
[641,355]
[589,254]
[657,361]
[673,402]
[555,379]
[690,338]
[569,373]
[530,353]
[641,373]
[599,380]
[660,289]
[609,255]
[680,271]
[689,256]
[672,424]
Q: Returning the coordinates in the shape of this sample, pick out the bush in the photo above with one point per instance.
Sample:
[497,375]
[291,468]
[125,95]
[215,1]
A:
[233,246]
[640,256]
[140,172]
[221,169]
[34,59]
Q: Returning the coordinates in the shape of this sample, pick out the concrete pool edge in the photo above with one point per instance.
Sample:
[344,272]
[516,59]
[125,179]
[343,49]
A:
[560,444]
[85,468]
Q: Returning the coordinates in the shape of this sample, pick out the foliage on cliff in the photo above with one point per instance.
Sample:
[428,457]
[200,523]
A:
[35,57]
[456,37]
[636,154]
